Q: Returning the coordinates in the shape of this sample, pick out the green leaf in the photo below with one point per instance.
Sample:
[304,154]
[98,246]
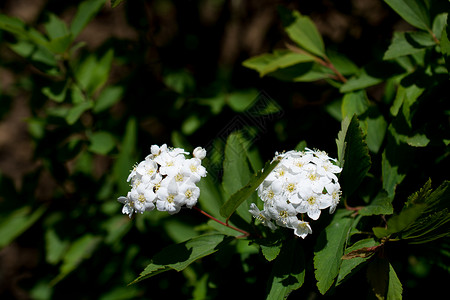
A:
[236,173]
[381,205]
[356,160]
[395,288]
[280,59]
[17,222]
[58,33]
[236,199]
[378,277]
[340,141]
[288,272]
[177,257]
[108,97]
[210,197]
[56,92]
[77,110]
[376,129]
[126,158]
[348,266]
[399,222]
[415,12]
[80,250]
[445,44]
[115,3]
[302,31]
[85,13]
[330,248]
[371,74]
[271,252]
[92,73]
[354,103]
[101,142]
[55,248]
[407,43]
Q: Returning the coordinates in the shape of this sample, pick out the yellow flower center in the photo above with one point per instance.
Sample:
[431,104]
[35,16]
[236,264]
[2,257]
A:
[311,200]
[188,194]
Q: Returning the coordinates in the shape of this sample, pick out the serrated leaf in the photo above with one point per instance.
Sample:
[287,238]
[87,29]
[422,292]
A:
[395,288]
[378,277]
[354,103]
[279,59]
[288,272]
[177,257]
[340,141]
[381,205]
[407,43]
[355,157]
[330,248]
[231,205]
[415,12]
[349,264]
[302,31]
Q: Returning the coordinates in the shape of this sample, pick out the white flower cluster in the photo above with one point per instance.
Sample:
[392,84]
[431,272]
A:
[165,180]
[303,182]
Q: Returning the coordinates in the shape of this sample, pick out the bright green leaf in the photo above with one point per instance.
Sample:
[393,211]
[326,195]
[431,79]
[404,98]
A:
[236,174]
[415,12]
[237,198]
[354,103]
[302,31]
[395,288]
[179,256]
[406,43]
[381,205]
[330,248]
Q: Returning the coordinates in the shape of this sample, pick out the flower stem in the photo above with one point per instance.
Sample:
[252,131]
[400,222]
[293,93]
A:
[245,233]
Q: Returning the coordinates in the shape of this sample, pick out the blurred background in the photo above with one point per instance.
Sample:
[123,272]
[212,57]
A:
[161,72]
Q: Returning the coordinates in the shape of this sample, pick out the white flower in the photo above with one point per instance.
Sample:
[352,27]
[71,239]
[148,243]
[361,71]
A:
[168,197]
[143,200]
[334,191]
[169,164]
[302,229]
[283,213]
[128,208]
[193,169]
[189,194]
[263,216]
[199,153]
[165,180]
[312,203]
[304,182]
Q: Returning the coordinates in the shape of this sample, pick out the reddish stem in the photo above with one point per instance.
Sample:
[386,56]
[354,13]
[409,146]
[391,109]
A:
[245,233]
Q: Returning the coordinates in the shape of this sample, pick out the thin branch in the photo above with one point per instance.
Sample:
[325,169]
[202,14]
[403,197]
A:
[326,63]
[245,233]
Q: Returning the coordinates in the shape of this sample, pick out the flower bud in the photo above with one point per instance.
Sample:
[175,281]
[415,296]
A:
[199,153]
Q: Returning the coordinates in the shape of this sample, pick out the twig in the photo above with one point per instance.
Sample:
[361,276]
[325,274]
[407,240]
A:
[245,233]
